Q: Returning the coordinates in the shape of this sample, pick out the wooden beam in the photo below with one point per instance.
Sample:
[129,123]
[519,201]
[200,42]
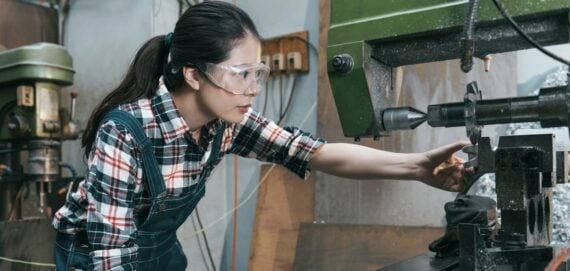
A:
[283,202]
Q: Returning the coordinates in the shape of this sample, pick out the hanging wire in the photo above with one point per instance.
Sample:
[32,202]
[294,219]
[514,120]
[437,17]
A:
[265,96]
[289,101]
[263,179]
[313,47]
[280,95]
[526,36]
[205,239]
[27,262]
[200,244]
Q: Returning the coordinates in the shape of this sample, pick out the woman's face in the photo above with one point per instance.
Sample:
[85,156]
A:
[219,101]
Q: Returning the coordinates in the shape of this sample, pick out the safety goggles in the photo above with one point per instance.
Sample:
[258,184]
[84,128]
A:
[238,80]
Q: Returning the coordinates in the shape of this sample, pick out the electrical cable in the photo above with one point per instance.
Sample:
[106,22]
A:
[525,36]
[250,195]
[205,239]
[12,212]
[280,95]
[265,98]
[289,101]
[308,43]
[234,237]
[200,245]
[26,262]
[73,177]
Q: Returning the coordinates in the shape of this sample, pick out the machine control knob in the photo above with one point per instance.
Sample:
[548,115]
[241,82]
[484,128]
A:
[19,125]
[342,64]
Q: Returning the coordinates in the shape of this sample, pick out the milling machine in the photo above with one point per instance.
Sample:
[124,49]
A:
[33,124]
[368,40]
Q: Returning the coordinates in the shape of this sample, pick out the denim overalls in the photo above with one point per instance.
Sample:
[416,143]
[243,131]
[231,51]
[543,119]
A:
[158,246]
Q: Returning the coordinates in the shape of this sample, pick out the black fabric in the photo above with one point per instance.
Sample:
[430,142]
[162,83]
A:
[464,209]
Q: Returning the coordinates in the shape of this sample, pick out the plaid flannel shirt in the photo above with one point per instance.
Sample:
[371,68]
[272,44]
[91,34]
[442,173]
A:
[107,201]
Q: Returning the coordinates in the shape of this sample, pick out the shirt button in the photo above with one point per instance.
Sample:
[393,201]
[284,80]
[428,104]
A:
[161,207]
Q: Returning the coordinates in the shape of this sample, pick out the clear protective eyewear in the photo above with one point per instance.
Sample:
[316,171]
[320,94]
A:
[239,79]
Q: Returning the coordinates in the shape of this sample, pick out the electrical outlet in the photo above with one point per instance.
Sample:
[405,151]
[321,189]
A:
[294,61]
[286,54]
[265,59]
[278,62]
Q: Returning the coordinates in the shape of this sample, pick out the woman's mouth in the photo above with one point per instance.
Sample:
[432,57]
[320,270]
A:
[244,108]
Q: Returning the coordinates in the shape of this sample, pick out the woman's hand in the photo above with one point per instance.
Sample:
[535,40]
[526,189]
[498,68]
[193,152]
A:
[440,168]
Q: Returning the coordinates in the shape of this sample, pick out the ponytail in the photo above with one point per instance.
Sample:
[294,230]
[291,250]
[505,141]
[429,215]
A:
[141,81]
[206,32]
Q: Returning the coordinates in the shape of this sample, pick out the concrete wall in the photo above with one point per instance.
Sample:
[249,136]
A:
[103,37]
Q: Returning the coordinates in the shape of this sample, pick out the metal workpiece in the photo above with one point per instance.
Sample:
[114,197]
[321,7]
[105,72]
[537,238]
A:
[550,108]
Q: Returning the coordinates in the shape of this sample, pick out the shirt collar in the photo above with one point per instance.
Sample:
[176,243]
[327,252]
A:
[167,115]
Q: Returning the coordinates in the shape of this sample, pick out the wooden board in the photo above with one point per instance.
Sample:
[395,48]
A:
[283,202]
[293,42]
[22,24]
[359,247]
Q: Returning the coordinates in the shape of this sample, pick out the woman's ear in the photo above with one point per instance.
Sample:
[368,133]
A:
[192,77]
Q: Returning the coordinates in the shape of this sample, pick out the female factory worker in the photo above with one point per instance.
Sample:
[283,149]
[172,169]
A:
[191,93]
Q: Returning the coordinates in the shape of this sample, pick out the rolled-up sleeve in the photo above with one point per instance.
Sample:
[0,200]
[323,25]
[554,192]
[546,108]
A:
[262,139]
[110,192]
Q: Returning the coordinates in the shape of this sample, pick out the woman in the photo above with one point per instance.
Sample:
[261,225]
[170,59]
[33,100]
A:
[147,173]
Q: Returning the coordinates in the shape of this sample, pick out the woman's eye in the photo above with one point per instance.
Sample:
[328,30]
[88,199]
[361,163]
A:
[244,74]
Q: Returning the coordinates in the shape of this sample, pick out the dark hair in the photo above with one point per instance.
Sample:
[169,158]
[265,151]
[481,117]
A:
[206,32]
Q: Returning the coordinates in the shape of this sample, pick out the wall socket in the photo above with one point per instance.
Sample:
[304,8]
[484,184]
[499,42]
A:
[286,54]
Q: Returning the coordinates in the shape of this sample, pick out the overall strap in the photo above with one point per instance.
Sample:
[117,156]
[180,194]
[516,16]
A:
[214,154]
[152,174]
[217,145]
